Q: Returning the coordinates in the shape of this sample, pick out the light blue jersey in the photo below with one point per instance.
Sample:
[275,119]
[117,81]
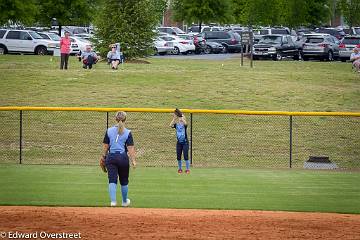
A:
[117,142]
[181,132]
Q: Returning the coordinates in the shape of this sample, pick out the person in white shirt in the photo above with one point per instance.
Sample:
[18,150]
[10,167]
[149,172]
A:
[355,59]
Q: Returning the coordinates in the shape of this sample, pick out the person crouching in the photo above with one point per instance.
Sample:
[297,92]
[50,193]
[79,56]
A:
[89,57]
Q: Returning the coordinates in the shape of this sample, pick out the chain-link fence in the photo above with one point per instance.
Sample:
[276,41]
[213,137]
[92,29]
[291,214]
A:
[216,140]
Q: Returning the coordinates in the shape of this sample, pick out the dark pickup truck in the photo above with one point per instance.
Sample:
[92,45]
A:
[276,47]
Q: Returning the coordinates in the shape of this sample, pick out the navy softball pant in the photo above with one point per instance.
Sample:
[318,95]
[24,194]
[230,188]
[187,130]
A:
[182,148]
[117,165]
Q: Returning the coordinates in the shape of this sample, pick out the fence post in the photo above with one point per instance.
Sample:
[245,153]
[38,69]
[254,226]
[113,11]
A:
[290,142]
[191,138]
[107,120]
[20,143]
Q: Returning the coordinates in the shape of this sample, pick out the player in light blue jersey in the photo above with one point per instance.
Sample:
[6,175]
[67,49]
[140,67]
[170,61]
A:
[118,146]
[182,145]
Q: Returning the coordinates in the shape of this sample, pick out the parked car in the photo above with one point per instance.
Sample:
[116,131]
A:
[338,33]
[195,28]
[200,44]
[320,47]
[214,47]
[25,41]
[86,36]
[54,37]
[171,30]
[278,31]
[229,39]
[276,47]
[80,42]
[302,39]
[352,31]
[180,45]
[212,29]
[162,47]
[347,46]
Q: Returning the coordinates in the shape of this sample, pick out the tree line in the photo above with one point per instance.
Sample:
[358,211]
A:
[291,13]
[131,22]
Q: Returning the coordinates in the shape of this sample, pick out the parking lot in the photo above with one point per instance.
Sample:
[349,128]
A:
[218,57]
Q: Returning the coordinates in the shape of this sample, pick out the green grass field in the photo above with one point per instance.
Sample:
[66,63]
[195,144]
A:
[237,142]
[168,83]
[285,190]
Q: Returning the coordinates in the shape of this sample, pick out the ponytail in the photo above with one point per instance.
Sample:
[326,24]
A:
[120,118]
[121,127]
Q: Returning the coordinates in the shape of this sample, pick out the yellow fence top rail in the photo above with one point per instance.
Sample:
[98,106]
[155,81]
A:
[169,110]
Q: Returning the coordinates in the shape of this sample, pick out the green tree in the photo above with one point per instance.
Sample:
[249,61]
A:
[18,11]
[67,12]
[290,13]
[318,12]
[351,11]
[202,11]
[129,22]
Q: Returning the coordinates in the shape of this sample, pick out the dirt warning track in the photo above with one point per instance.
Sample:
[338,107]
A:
[137,223]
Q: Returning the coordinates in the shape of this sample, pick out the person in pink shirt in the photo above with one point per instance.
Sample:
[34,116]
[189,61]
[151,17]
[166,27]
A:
[65,44]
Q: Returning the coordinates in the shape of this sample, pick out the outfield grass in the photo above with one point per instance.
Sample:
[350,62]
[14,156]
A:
[168,83]
[286,190]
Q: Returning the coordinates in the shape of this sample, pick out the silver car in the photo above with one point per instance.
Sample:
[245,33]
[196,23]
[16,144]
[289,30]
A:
[321,47]
[347,46]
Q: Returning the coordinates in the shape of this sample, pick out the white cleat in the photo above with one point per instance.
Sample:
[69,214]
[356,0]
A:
[113,204]
[126,204]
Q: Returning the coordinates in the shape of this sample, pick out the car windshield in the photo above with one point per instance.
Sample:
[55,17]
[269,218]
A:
[54,37]
[351,41]
[178,30]
[280,31]
[314,40]
[35,35]
[357,30]
[270,39]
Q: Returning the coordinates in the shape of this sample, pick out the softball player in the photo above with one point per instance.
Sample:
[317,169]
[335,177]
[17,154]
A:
[118,146]
[182,146]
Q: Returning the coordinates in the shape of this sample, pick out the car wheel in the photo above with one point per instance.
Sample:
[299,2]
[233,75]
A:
[226,49]
[343,59]
[278,57]
[330,56]
[305,58]
[176,51]
[298,56]
[2,50]
[41,51]
[208,50]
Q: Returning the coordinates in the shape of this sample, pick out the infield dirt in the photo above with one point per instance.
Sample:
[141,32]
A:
[137,223]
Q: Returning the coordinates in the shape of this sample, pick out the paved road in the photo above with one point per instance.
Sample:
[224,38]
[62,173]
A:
[201,56]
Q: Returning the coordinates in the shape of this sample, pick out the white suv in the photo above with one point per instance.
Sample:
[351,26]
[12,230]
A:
[25,41]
